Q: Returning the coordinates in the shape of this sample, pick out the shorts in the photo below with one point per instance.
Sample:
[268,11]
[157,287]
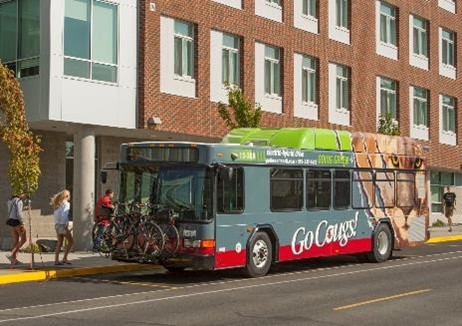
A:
[448,211]
[61,229]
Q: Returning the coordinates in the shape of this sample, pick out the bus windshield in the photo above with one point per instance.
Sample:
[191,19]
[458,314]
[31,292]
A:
[187,190]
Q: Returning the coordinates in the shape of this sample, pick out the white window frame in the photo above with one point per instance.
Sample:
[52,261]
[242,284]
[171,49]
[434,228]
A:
[344,6]
[445,69]
[308,5]
[416,59]
[343,82]
[269,9]
[389,21]
[338,33]
[418,131]
[421,101]
[447,136]
[308,72]
[232,51]
[446,115]
[170,83]
[338,116]
[237,4]
[274,64]
[191,59]
[422,37]
[448,5]
[306,22]
[388,92]
[268,102]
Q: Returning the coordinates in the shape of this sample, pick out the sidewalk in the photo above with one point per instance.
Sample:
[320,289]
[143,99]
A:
[85,263]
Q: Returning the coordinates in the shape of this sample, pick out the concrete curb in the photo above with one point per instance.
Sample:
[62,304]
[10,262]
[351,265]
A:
[448,238]
[44,275]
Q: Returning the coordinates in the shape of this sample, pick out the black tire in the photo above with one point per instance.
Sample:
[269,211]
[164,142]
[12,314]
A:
[101,239]
[259,256]
[382,244]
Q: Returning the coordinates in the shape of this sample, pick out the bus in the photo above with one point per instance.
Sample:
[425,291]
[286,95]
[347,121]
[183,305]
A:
[269,195]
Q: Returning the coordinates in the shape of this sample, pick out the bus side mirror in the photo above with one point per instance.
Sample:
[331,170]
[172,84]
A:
[103,177]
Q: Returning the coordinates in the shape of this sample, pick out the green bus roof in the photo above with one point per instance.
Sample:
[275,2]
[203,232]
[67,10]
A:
[297,138]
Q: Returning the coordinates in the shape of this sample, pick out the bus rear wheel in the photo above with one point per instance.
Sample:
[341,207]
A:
[259,257]
[382,244]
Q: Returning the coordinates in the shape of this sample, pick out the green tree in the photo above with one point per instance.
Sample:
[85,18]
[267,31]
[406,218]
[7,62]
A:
[240,112]
[23,145]
[388,125]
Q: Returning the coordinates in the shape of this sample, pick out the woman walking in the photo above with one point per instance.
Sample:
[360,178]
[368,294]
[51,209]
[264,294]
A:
[61,206]
[16,222]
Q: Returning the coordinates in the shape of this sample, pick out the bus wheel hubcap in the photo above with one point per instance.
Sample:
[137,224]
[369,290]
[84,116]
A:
[382,243]
[260,253]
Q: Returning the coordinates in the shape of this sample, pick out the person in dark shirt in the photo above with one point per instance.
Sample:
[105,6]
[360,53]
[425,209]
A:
[449,202]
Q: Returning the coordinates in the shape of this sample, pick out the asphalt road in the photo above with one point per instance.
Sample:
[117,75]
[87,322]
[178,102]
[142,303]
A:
[420,286]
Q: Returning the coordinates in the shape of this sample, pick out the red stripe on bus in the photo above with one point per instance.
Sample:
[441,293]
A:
[332,249]
[230,258]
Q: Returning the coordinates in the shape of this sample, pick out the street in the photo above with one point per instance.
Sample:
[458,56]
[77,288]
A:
[419,286]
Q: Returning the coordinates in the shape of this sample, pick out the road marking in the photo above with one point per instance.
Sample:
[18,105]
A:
[103,281]
[397,296]
[268,277]
[182,296]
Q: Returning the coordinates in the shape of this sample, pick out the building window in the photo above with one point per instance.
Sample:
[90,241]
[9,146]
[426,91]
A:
[447,42]
[342,19]
[420,36]
[420,103]
[449,117]
[439,181]
[309,80]
[231,60]
[20,36]
[272,71]
[387,97]
[274,2]
[309,8]
[90,40]
[387,24]
[286,190]
[342,97]
[184,49]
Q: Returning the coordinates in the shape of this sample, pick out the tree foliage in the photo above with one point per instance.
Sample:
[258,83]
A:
[23,145]
[240,112]
[388,125]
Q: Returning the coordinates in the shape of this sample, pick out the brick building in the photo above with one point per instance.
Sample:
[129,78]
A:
[331,64]
[97,73]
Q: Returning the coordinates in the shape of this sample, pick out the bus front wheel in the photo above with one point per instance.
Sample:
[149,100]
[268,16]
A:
[382,244]
[260,255]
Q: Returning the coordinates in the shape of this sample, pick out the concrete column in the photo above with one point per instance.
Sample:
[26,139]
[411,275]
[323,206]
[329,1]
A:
[84,188]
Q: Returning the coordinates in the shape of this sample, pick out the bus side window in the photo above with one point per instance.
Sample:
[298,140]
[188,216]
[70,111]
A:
[318,189]
[405,189]
[286,190]
[230,191]
[384,189]
[341,189]
[362,189]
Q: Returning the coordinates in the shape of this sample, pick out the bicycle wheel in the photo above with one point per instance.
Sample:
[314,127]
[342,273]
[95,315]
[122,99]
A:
[171,238]
[121,234]
[150,239]
[102,241]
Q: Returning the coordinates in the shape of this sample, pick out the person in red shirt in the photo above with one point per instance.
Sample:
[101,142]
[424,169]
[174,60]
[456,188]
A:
[104,206]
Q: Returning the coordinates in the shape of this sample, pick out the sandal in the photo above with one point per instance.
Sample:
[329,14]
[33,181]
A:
[59,263]
[66,262]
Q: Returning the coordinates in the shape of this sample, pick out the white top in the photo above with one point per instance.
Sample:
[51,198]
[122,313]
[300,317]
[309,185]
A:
[15,207]
[61,214]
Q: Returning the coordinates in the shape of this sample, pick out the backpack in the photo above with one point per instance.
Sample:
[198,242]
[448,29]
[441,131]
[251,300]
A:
[449,198]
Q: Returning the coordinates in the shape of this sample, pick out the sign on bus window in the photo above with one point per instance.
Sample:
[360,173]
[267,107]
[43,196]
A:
[363,189]
[405,188]
[384,189]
